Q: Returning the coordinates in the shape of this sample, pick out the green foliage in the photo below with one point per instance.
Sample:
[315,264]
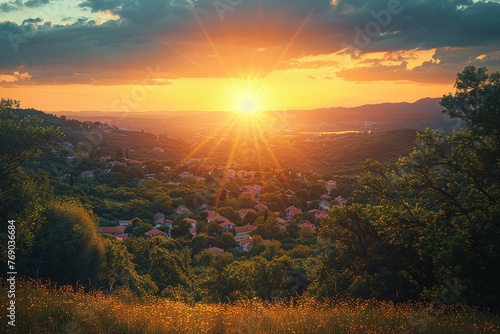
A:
[67,247]
[24,192]
[433,216]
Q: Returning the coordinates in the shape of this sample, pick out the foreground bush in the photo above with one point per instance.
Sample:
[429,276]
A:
[50,309]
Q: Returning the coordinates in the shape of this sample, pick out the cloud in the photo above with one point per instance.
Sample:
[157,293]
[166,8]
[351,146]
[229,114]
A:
[15,76]
[121,38]
[16,5]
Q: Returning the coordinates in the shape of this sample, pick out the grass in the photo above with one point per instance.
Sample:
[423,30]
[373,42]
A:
[44,309]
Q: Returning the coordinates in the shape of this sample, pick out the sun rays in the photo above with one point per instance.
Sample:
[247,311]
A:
[248,131]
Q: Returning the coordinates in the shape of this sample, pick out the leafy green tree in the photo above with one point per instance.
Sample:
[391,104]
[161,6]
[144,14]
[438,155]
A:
[229,213]
[249,218]
[436,210]
[67,245]
[118,270]
[24,191]
[181,229]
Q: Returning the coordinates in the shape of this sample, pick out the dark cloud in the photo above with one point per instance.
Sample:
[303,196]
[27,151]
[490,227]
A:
[198,39]
[36,3]
[15,5]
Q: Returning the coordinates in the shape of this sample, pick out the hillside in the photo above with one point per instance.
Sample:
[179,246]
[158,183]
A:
[386,116]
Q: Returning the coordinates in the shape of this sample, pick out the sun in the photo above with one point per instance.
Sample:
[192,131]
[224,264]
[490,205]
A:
[247,105]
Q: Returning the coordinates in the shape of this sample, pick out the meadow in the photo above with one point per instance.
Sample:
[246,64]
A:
[46,308]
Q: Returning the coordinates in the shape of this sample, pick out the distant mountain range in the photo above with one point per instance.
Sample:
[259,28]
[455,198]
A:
[420,114]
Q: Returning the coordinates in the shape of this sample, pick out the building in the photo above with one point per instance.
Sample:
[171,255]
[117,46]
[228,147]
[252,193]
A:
[292,211]
[243,232]
[87,173]
[154,231]
[216,251]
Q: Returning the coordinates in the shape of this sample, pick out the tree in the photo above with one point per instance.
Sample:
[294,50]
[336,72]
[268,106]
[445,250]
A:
[68,246]
[118,270]
[229,213]
[24,192]
[437,209]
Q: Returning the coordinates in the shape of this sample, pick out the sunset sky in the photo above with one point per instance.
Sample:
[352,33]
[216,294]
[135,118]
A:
[155,55]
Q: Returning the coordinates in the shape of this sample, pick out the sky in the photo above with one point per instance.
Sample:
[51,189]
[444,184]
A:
[169,55]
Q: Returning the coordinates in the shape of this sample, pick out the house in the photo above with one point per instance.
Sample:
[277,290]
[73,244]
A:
[282,222]
[292,211]
[111,229]
[171,183]
[325,197]
[134,162]
[256,187]
[308,226]
[190,221]
[331,184]
[252,194]
[231,174]
[220,219]
[324,205]
[168,224]
[121,236]
[159,216]
[112,164]
[216,251]
[340,200]
[246,244]
[150,176]
[215,217]
[243,232]
[166,168]
[241,174]
[104,159]
[206,207]
[180,210]
[87,173]
[261,207]
[243,212]
[185,175]
[125,222]
[154,231]
[319,214]
[192,230]
[227,226]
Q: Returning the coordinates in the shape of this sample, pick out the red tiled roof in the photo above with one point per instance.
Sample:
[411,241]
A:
[111,229]
[246,241]
[216,251]
[228,223]
[154,232]
[308,226]
[245,228]
[243,212]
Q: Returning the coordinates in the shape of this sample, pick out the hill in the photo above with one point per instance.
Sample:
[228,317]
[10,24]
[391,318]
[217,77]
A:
[386,116]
